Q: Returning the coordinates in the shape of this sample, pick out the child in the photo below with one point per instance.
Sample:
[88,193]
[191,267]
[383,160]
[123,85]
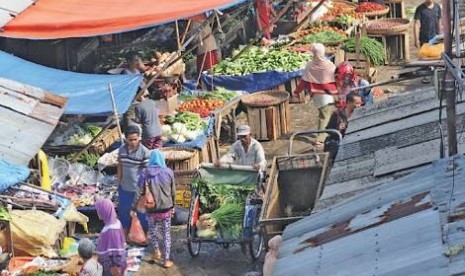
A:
[111,244]
[91,266]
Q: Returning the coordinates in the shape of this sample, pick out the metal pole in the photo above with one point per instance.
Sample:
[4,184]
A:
[115,112]
[449,82]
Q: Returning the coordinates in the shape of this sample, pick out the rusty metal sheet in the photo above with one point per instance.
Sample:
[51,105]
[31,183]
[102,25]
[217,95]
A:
[414,225]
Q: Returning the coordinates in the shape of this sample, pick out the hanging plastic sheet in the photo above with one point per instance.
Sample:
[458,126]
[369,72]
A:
[11,174]
[87,93]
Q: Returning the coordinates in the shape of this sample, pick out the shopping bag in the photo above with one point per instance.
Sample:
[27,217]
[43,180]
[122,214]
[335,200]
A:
[136,233]
[146,201]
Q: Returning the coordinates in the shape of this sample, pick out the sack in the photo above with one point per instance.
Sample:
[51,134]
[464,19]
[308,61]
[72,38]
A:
[146,201]
[136,233]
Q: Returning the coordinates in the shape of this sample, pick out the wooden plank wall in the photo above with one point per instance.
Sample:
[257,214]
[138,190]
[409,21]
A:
[389,140]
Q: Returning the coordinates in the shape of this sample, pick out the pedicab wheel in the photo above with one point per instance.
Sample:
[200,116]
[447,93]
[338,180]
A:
[193,247]
[256,243]
[256,246]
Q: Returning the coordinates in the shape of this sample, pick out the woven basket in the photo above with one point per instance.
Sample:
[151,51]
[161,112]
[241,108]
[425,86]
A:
[192,151]
[273,98]
[403,26]
[375,13]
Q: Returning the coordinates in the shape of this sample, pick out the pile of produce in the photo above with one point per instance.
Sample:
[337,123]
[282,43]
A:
[73,135]
[257,60]
[306,48]
[388,24]
[219,93]
[327,37]
[222,207]
[372,49]
[366,7]
[203,107]
[86,158]
[177,154]
[184,126]
[341,13]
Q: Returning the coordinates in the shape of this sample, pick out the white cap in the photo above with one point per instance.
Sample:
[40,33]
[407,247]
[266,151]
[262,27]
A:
[243,130]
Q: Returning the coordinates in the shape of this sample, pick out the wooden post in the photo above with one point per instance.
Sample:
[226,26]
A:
[449,82]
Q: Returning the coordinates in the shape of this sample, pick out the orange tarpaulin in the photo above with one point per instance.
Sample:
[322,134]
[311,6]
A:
[51,19]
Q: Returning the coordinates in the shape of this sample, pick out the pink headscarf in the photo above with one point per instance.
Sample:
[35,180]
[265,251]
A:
[319,70]
[106,211]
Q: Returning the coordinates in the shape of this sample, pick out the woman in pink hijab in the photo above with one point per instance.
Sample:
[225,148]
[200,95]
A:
[111,243]
[318,78]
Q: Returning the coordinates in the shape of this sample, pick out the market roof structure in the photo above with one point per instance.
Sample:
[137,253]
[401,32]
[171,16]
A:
[87,93]
[28,116]
[388,140]
[53,19]
[411,226]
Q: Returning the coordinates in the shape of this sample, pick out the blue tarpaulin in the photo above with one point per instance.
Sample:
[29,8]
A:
[87,93]
[253,82]
[11,174]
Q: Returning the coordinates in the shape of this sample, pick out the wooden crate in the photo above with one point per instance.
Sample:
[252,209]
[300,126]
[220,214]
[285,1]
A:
[396,46]
[362,66]
[183,165]
[396,9]
[168,106]
[210,152]
[269,123]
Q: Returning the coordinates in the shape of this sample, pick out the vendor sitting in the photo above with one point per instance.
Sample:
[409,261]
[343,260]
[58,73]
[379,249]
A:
[346,80]
[246,151]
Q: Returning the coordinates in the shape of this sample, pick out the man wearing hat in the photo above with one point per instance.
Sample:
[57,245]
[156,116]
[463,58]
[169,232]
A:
[246,151]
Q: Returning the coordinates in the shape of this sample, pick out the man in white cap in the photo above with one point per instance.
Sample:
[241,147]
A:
[246,151]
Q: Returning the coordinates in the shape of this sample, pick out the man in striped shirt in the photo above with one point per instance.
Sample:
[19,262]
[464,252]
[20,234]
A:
[133,156]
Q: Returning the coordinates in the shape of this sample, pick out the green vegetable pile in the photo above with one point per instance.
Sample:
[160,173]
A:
[89,159]
[369,47]
[324,37]
[219,93]
[257,60]
[223,208]
[93,130]
[191,120]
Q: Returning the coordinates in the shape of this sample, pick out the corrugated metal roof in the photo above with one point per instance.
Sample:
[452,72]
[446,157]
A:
[10,9]
[386,141]
[406,227]
[27,117]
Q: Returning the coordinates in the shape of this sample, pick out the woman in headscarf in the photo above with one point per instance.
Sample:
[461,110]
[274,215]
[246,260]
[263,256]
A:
[319,79]
[111,243]
[160,181]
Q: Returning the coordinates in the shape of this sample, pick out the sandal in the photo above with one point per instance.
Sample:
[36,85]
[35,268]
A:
[168,264]
[156,255]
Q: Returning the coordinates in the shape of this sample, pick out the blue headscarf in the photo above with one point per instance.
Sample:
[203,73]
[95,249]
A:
[157,159]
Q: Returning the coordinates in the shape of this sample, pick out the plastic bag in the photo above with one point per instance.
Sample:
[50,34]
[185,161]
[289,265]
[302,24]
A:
[136,233]
[431,51]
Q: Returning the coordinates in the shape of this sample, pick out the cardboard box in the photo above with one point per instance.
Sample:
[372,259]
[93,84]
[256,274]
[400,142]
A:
[169,106]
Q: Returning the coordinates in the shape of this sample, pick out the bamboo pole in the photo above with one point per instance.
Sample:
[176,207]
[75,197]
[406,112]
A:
[115,112]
